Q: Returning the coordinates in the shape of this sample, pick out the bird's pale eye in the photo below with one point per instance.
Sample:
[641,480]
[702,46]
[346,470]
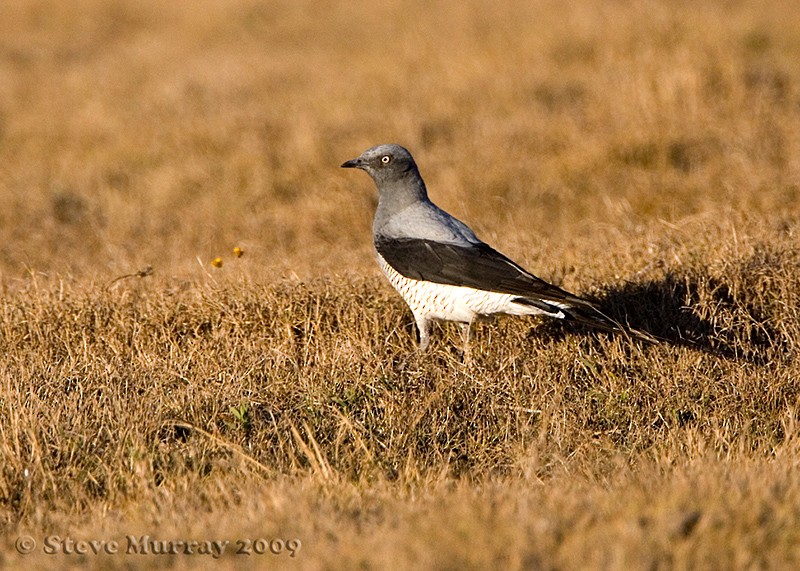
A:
[385,159]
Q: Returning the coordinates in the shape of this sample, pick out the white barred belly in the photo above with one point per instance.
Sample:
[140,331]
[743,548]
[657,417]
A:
[443,302]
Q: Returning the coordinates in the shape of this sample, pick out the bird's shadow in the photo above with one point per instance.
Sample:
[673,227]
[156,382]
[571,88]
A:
[693,311]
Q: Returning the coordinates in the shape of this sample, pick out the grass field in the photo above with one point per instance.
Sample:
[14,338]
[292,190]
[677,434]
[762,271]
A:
[644,154]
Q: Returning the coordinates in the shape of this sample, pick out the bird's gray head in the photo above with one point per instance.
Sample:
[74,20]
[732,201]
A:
[386,164]
[404,209]
[395,174]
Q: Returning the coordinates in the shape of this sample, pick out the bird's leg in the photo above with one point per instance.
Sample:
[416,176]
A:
[465,331]
[424,328]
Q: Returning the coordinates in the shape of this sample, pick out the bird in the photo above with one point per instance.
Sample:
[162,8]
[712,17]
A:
[443,271]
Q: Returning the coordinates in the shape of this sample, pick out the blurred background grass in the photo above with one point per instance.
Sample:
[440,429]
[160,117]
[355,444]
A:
[134,133]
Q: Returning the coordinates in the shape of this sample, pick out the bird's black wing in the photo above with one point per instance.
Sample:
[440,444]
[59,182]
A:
[475,265]
[481,267]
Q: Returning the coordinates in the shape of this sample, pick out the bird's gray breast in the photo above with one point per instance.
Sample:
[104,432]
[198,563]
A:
[424,221]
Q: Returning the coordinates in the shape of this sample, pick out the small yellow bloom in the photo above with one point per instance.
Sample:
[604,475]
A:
[216,262]
[238,252]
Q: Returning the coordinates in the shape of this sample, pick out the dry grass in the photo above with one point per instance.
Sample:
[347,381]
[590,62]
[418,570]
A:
[646,154]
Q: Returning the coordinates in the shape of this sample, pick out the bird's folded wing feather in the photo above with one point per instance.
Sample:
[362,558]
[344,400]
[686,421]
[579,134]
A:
[471,265]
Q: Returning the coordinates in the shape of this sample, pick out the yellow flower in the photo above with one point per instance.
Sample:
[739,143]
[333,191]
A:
[238,252]
[216,262]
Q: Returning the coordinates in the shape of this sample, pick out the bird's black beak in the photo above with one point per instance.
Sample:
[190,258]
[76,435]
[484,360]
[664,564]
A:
[353,164]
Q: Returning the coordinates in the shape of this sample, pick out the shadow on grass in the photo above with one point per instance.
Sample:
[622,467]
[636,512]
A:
[693,311]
